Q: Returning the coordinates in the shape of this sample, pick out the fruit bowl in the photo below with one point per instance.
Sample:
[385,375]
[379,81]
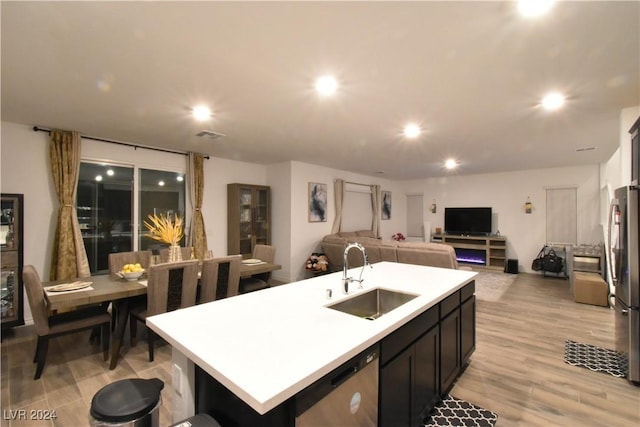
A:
[132,275]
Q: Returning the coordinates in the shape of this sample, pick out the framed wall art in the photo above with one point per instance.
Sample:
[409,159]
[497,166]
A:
[386,205]
[317,202]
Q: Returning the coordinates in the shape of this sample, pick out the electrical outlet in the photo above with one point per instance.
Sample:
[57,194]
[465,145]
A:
[177,379]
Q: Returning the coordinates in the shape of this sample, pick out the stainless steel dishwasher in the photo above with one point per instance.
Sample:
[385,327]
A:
[347,396]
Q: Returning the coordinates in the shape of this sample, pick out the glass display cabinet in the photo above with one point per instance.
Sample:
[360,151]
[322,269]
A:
[11,260]
[248,218]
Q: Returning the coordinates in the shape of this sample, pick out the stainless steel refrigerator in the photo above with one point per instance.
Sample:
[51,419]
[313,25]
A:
[624,266]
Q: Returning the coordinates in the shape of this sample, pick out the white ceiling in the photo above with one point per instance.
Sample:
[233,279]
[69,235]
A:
[470,73]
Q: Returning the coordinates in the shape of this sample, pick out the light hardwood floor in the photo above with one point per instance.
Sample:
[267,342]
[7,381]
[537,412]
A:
[517,370]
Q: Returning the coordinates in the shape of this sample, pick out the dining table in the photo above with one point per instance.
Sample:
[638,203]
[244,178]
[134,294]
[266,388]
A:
[120,292]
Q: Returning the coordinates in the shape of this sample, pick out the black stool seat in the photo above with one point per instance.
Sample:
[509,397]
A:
[126,400]
[199,420]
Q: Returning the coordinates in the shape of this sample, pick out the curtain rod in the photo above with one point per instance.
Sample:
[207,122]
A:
[126,144]
[357,183]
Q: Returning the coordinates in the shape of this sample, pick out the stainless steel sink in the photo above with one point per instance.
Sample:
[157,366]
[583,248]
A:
[372,304]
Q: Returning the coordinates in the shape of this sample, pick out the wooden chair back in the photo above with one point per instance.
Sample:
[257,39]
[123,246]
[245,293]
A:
[171,285]
[118,259]
[265,253]
[37,301]
[220,278]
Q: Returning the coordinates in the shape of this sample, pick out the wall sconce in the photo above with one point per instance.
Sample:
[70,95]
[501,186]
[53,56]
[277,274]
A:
[433,207]
[528,206]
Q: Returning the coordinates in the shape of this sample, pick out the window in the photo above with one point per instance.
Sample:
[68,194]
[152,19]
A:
[357,212]
[106,207]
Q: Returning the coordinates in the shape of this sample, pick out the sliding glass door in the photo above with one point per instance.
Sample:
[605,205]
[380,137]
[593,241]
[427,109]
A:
[106,207]
[160,193]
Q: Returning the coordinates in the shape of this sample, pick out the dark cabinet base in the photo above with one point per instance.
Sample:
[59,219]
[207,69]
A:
[230,411]
[422,359]
[419,362]
[449,350]
[409,360]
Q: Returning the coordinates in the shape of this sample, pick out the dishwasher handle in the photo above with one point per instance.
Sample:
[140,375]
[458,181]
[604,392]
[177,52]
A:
[343,376]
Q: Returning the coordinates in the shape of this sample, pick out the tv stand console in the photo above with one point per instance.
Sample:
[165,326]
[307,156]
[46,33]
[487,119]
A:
[482,251]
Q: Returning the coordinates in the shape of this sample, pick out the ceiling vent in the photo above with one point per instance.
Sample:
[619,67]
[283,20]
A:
[210,134]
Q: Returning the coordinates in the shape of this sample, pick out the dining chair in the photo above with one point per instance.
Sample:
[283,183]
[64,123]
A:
[170,286]
[185,251]
[259,281]
[118,259]
[220,278]
[49,325]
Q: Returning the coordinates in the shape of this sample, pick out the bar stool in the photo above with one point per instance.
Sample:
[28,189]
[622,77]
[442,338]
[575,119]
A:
[200,420]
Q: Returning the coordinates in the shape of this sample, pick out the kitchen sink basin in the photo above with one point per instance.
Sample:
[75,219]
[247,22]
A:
[372,304]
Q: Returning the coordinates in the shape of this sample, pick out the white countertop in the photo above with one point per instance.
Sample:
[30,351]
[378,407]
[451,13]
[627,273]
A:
[266,346]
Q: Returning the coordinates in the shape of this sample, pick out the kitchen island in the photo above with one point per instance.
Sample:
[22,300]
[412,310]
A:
[264,348]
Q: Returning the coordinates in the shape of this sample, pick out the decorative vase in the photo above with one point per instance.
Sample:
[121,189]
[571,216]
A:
[175,253]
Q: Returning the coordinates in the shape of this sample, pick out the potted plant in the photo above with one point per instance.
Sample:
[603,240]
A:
[165,229]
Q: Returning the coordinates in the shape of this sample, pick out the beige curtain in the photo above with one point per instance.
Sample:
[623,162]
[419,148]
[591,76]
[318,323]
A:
[375,204]
[197,235]
[338,188]
[69,257]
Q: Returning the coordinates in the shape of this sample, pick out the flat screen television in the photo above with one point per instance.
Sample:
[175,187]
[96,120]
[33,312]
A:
[467,221]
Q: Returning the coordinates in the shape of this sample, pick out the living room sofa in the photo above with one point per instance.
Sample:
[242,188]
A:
[420,253]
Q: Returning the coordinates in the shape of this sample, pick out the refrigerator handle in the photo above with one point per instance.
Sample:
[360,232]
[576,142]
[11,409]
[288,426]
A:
[612,208]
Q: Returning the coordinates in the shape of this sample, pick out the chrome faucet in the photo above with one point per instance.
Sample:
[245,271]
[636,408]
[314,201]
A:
[345,266]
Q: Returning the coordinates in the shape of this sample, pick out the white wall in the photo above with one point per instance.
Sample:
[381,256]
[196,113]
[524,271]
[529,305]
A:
[506,193]
[306,236]
[279,179]
[25,169]
[628,117]
[217,174]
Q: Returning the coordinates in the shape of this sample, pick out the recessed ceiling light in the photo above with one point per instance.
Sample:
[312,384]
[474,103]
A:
[450,164]
[533,8]
[201,113]
[553,101]
[326,85]
[161,183]
[110,172]
[412,130]
[98,178]
[179,178]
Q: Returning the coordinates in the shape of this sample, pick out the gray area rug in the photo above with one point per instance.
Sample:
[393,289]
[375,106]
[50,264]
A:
[491,286]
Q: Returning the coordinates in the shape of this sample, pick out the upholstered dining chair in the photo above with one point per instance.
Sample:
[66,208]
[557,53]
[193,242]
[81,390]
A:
[49,326]
[185,251]
[118,259]
[259,281]
[220,278]
[170,286]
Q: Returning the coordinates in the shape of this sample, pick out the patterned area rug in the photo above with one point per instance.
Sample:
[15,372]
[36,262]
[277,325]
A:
[491,286]
[596,358]
[455,412]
